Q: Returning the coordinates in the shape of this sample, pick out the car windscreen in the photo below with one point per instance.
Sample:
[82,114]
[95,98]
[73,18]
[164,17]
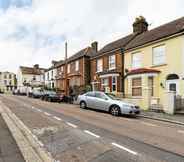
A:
[111,96]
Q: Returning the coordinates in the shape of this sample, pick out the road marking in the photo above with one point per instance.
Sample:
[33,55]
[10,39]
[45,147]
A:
[181,131]
[55,117]
[32,107]
[149,124]
[47,114]
[39,110]
[91,133]
[72,125]
[124,148]
[40,143]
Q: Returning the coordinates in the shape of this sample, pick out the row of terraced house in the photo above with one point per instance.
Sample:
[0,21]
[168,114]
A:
[144,67]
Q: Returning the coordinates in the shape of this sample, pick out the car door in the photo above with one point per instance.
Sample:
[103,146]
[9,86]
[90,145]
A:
[101,101]
[90,99]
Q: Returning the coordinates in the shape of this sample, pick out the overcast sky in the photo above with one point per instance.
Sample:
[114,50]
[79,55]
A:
[34,31]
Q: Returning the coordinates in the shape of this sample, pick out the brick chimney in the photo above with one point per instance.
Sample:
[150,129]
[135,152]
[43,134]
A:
[36,66]
[94,46]
[140,25]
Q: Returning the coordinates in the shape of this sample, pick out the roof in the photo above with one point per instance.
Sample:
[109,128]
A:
[160,32]
[31,70]
[142,71]
[59,63]
[88,51]
[120,43]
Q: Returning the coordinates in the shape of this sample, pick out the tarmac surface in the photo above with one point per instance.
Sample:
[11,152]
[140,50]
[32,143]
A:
[74,135]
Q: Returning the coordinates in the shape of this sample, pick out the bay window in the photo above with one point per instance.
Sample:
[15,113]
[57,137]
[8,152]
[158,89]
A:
[136,87]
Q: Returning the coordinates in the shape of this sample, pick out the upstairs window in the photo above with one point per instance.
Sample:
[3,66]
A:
[159,55]
[68,68]
[112,62]
[136,60]
[77,65]
[99,65]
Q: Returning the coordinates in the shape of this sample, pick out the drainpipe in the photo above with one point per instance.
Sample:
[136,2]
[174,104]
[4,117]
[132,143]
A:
[122,73]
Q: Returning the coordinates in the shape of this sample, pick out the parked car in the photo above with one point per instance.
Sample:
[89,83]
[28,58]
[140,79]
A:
[107,102]
[51,96]
[37,93]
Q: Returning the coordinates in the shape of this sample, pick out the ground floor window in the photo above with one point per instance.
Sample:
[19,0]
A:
[105,83]
[151,85]
[136,87]
[114,84]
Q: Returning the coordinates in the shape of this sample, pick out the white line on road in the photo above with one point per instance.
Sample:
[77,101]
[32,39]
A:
[47,114]
[181,131]
[124,148]
[55,117]
[39,110]
[72,125]
[33,107]
[40,143]
[91,133]
[149,124]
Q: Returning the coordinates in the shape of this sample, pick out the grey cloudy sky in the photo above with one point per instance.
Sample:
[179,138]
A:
[34,31]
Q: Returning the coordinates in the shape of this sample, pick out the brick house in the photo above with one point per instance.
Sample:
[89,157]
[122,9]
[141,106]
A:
[107,66]
[75,71]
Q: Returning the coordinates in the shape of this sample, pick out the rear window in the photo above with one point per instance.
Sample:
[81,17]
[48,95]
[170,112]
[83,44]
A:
[90,94]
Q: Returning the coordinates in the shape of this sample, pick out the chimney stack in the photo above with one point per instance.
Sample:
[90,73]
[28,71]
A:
[36,66]
[140,25]
[94,46]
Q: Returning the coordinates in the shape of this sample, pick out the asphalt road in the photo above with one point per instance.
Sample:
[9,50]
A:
[75,135]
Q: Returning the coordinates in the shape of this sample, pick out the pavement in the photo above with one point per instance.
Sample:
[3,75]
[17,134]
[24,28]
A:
[9,151]
[176,119]
[74,135]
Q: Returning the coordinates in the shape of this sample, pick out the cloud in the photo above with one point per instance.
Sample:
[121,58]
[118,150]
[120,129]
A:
[34,31]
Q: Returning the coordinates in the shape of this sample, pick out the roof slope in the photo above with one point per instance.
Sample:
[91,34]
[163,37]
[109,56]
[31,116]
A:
[160,32]
[31,70]
[84,52]
[116,44]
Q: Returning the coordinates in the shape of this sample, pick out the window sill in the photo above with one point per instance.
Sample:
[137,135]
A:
[158,65]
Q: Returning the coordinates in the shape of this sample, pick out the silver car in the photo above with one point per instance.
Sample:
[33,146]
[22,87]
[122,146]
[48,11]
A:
[106,102]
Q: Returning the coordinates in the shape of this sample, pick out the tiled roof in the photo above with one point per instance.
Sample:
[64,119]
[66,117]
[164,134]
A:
[31,70]
[120,43]
[142,71]
[160,32]
[84,52]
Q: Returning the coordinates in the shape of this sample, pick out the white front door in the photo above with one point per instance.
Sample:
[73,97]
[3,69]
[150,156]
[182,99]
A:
[173,85]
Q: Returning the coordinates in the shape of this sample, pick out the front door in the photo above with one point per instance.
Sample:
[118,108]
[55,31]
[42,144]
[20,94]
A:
[173,85]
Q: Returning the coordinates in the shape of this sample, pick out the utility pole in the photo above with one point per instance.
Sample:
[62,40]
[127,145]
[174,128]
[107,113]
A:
[66,71]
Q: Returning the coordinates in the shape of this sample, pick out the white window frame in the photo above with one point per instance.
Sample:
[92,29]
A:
[77,65]
[136,62]
[99,65]
[159,55]
[112,62]
[68,68]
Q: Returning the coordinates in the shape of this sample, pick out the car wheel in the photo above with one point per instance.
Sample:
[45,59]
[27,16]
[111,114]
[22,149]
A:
[115,111]
[83,105]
